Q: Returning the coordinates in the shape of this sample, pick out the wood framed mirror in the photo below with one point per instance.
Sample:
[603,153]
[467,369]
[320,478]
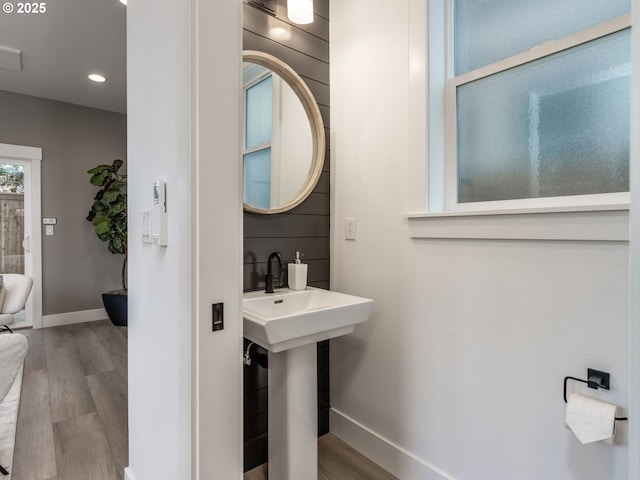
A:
[283,136]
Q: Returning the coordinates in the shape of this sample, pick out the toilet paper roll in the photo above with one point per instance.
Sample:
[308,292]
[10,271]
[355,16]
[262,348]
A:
[589,419]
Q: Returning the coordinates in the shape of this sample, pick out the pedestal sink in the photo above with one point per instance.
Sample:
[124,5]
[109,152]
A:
[289,324]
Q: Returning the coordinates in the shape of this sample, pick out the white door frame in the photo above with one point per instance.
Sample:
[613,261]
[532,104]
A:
[30,157]
[634,254]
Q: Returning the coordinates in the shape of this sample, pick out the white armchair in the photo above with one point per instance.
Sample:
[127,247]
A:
[16,290]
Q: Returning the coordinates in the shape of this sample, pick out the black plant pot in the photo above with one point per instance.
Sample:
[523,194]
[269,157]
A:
[116,307]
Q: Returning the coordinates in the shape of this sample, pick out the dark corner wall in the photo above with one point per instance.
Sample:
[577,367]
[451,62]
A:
[306,227]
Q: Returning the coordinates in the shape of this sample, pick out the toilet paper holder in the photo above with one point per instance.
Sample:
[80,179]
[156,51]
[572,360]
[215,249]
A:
[595,379]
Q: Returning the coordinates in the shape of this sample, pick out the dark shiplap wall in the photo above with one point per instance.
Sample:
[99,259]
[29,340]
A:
[305,228]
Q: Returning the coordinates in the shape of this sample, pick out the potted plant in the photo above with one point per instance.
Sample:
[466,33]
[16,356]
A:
[108,215]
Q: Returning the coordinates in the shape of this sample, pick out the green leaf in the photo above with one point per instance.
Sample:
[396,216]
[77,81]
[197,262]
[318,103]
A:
[99,169]
[110,196]
[117,208]
[102,227]
[99,218]
[117,185]
[99,178]
[117,163]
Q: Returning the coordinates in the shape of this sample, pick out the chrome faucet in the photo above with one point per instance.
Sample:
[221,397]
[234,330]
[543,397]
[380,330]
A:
[269,275]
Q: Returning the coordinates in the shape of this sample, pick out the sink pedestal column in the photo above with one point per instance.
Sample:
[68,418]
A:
[293,414]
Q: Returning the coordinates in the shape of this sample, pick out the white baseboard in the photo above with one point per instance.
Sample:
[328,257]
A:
[128,474]
[74,317]
[391,457]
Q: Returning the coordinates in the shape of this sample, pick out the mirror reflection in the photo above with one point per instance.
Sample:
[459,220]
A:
[284,141]
[278,147]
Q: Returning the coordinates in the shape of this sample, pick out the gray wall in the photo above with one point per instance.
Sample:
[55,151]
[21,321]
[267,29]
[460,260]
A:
[76,266]
[305,228]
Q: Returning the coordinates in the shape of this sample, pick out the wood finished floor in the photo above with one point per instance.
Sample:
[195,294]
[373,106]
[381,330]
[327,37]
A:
[72,422]
[336,461]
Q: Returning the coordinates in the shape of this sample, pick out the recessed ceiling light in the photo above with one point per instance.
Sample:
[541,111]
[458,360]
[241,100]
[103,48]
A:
[97,78]
[124,2]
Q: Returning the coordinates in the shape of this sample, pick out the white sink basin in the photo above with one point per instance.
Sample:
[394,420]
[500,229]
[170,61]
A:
[287,319]
[288,323]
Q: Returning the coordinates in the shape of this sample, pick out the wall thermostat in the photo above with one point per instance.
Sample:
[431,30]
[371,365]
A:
[159,235]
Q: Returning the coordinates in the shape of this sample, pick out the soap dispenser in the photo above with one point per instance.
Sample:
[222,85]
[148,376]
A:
[297,274]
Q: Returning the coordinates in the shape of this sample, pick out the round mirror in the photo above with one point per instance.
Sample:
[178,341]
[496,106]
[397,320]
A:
[283,138]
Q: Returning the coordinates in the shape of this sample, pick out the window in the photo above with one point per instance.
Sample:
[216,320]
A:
[526,111]
[532,118]
[257,136]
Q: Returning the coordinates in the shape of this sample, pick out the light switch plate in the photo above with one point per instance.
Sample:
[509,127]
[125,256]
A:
[350,228]
[146,226]
[48,230]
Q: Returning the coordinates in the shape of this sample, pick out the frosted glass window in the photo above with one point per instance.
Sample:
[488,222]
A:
[258,113]
[257,178]
[554,127]
[486,31]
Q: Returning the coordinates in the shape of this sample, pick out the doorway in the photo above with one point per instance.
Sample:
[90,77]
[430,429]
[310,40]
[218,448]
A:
[20,218]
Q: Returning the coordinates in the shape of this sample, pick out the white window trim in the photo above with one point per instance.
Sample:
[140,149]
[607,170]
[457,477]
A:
[589,218]
[255,81]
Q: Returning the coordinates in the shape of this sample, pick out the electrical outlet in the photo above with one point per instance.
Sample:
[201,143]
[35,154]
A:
[350,228]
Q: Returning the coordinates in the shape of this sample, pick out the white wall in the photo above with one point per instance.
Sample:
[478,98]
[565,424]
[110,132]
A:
[294,144]
[159,279]
[176,364]
[460,368]
[217,239]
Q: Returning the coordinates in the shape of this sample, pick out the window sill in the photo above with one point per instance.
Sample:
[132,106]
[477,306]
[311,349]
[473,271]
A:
[609,223]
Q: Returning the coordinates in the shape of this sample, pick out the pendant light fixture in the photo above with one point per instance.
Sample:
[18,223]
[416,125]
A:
[300,11]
